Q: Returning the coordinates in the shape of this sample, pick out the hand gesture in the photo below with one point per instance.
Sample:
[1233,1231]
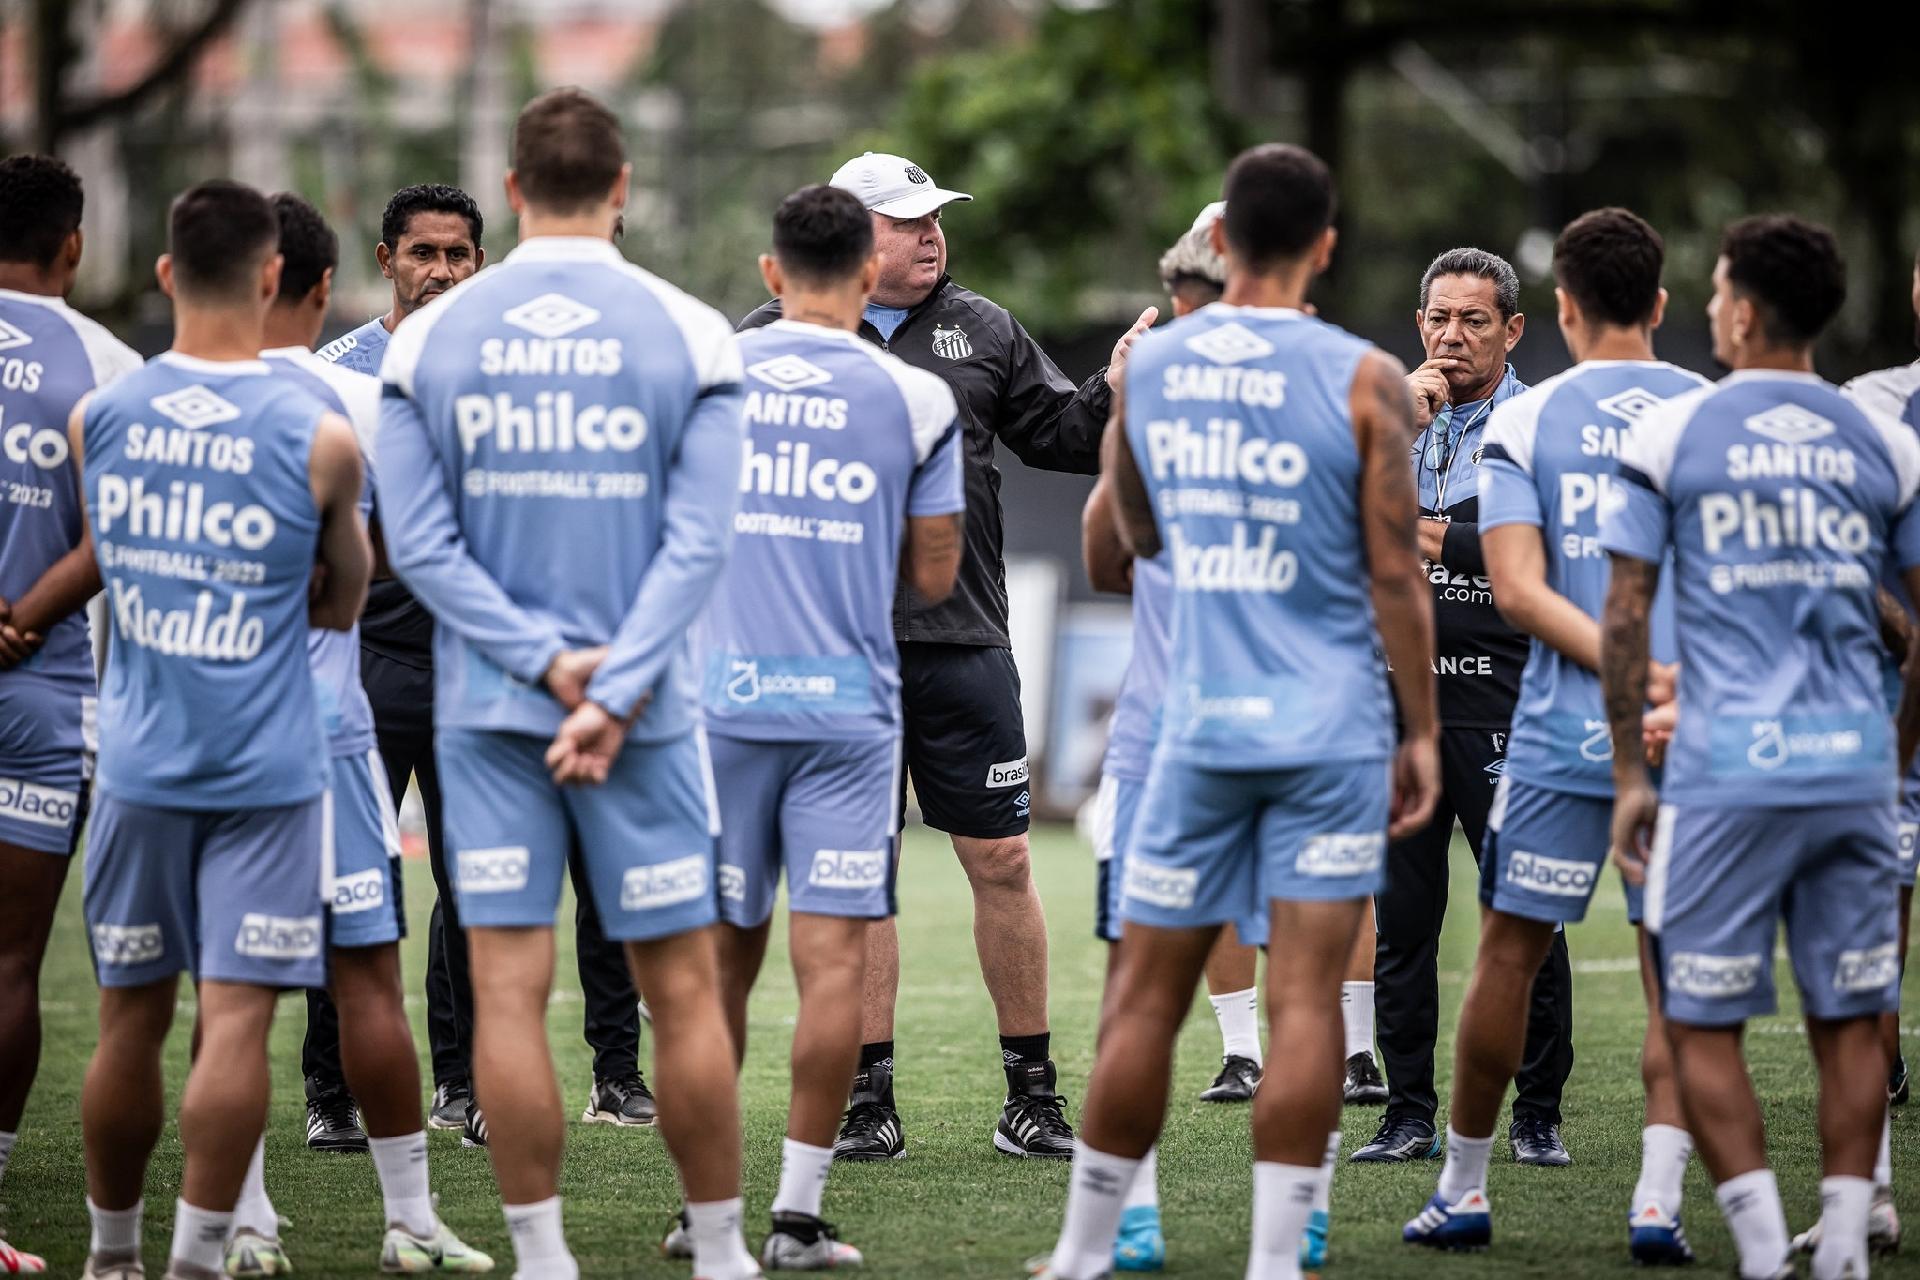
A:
[1428,384]
[1117,365]
[584,749]
[1635,809]
[567,675]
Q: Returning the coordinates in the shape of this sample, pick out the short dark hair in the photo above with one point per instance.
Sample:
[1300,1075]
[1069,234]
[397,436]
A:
[218,232]
[1280,198]
[308,247]
[567,150]
[822,235]
[1609,263]
[40,205]
[1484,265]
[427,197]
[1792,271]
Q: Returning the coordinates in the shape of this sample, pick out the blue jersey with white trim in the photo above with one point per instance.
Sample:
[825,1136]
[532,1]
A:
[558,467]
[359,350]
[1551,454]
[843,444]
[1136,711]
[1240,421]
[1780,501]
[200,498]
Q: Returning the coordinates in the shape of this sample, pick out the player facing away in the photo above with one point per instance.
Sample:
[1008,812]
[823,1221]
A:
[363,888]
[213,491]
[558,468]
[1268,452]
[1779,502]
[53,356]
[851,478]
[1550,458]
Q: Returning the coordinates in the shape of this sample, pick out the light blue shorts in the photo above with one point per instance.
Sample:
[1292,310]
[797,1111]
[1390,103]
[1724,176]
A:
[1909,829]
[363,902]
[228,895]
[1547,851]
[1116,809]
[46,757]
[646,835]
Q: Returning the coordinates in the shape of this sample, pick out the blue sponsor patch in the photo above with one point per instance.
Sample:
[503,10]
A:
[1803,746]
[776,685]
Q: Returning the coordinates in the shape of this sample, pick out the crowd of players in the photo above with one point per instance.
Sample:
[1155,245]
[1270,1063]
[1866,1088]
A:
[794,597]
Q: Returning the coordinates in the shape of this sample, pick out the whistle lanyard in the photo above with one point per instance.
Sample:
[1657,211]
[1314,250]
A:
[1441,453]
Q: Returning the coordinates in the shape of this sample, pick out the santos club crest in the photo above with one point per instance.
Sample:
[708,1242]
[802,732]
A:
[951,343]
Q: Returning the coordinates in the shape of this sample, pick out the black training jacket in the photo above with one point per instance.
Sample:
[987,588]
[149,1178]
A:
[1008,390]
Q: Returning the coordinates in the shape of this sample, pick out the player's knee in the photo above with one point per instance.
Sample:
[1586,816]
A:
[1003,864]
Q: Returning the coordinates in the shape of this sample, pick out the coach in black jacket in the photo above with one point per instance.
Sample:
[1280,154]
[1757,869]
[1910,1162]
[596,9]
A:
[965,742]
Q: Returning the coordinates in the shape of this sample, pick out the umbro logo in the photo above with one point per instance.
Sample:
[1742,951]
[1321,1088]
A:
[1790,424]
[195,407]
[11,337]
[551,315]
[1631,405]
[789,372]
[1230,343]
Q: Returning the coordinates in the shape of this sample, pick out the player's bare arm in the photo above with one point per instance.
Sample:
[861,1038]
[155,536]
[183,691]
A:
[345,557]
[1132,506]
[931,557]
[1109,567]
[1623,679]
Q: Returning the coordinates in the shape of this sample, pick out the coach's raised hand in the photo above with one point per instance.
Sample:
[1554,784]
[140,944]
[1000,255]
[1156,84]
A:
[1428,384]
[1117,365]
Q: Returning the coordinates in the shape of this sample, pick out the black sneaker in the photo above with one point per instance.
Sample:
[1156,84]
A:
[1399,1140]
[871,1128]
[474,1132]
[1237,1080]
[1033,1123]
[1365,1086]
[333,1123]
[624,1100]
[450,1102]
[1536,1141]
[1898,1086]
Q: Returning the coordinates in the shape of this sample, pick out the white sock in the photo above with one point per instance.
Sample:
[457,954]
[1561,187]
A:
[1239,1023]
[539,1245]
[1751,1205]
[116,1232]
[254,1211]
[1356,1015]
[6,1149]
[1664,1152]
[1323,1191]
[719,1250]
[1466,1167]
[1842,1252]
[200,1237]
[1282,1199]
[803,1177]
[1883,1163]
[1145,1192]
[1096,1195]
[402,1165]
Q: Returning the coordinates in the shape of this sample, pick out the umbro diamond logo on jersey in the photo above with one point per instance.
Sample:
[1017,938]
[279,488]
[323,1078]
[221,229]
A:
[789,372]
[951,343]
[1231,343]
[1790,424]
[195,407]
[551,315]
[11,337]
[1632,404]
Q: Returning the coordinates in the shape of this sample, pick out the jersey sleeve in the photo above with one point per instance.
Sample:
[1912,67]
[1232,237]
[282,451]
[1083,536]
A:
[1507,495]
[1638,518]
[939,487]
[1903,449]
[111,358]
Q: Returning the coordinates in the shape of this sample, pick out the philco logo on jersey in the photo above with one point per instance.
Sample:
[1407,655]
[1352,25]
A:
[664,885]
[1219,452]
[26,801]
[1867,969]
[23,443]
[189,632]
[1336,855]
[551,315]
[791,471]
[195,407]
[1713,977]
[266,937]
[360,891]
[951,343]
[1557,877]
[1230,343]
[122,945]
[550,424]
[1172,888]
[183,514]
[493,870]
[848,869]
[733,882]
[1011,773]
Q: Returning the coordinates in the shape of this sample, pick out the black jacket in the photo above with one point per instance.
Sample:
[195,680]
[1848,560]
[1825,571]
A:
[1006,388]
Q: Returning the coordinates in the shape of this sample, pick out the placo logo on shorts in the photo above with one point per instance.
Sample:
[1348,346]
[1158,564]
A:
[1159,886]
[848,869]
[1560,877]
[26,801]
[493,870]
[667,884]
[360,891]
[1335,855]
[266,937]
[1909,834]
[1867,969]
[733,882]
[126,944]
[1713,977]
[1011,773]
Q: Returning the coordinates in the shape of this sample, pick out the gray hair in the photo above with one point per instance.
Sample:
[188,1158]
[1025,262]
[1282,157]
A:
[1192,255]
[1476,262]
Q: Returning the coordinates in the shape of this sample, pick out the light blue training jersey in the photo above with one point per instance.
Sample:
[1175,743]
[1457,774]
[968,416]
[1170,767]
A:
[360,350]
[1136,711]
[558,467]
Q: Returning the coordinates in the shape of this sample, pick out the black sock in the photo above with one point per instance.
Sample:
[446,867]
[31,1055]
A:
[877,1054]
[1025,1048]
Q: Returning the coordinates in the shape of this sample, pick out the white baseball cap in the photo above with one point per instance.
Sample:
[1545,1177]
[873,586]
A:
[1208,216]
[893,186]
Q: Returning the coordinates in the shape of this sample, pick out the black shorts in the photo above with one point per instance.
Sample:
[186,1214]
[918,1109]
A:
[966,742]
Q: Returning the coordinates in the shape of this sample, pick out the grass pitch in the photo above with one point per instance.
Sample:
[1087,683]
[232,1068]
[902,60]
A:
[955,1207]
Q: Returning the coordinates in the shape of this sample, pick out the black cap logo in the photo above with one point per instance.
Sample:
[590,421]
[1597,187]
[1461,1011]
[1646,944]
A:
[917,175]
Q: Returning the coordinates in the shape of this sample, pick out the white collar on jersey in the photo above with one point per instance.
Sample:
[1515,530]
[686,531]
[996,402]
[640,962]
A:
[818,330]
[565,249]
[1270,313]
[1759,375]
[194,364]
[38,299]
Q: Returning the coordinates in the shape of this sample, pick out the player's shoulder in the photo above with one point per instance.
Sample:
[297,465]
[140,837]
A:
[1888,390]
[931,407]
[695,318]
[358,393]
[108,358]
[1514,423]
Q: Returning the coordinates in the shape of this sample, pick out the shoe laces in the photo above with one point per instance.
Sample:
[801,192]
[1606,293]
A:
[1392,1126]
[1535,1130]
[624,1086]
[863,1119]
[335,1110]
[1047,1110]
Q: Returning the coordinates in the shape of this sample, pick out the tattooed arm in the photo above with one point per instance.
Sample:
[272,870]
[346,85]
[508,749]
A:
[1132,505]
[1623,677]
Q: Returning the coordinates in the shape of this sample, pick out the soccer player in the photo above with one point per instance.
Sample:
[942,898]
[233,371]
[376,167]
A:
[1271,449]
[214,491]
[558,467]
[852,477]
[50,356]
[1779,501]
[1551,453]
[364,893]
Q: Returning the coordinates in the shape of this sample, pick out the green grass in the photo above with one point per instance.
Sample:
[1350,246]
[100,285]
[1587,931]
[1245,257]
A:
[954,1207]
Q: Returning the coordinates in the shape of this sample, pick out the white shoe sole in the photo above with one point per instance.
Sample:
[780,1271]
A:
[434,1123]
[590,1116]
[1007,1146]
